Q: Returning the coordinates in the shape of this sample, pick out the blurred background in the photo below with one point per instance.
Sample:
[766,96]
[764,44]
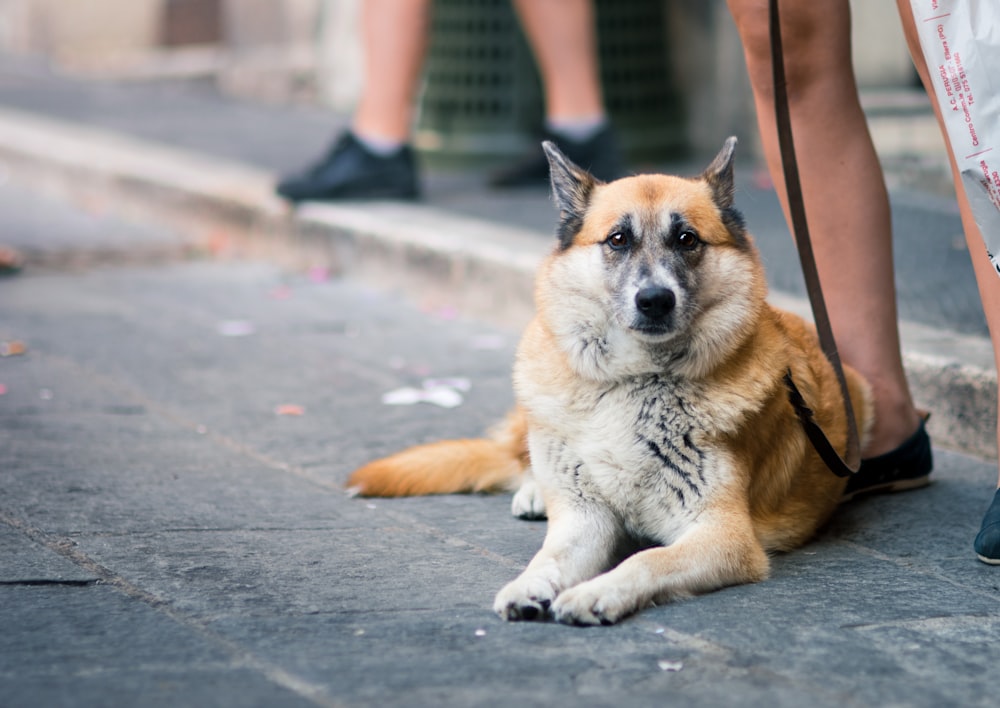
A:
[665,63]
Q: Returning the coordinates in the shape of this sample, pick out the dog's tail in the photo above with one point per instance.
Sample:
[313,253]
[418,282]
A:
[490,464]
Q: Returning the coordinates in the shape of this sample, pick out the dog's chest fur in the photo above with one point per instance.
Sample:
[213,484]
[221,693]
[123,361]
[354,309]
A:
[638,447]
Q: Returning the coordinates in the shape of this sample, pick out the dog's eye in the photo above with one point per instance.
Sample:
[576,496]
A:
[618,240]
[687,239]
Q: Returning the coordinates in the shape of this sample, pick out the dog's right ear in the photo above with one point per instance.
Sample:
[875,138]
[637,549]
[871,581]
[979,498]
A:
[571,188]
[719,175]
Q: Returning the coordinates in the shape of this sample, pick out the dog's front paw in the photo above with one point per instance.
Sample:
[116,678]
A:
[528,502]
[596,601]
[527,598]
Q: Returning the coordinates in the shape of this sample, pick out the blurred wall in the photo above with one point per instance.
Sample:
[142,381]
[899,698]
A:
[309,50]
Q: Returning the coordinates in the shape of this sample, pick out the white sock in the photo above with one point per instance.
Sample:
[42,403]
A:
[577,129]
[377,145]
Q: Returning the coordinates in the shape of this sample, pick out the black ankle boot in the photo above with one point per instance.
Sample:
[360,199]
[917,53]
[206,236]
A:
[599,154]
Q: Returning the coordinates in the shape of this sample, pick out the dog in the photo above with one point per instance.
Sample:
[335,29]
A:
[653,424]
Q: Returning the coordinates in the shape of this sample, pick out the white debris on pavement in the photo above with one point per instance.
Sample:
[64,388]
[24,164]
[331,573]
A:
[444,392]
[670,665]
[236,328]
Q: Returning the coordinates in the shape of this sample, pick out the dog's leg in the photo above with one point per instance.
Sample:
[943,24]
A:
[720,550]
[579,544]
[528,502]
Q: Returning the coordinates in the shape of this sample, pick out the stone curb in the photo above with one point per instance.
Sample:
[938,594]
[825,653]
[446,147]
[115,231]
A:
[229,209]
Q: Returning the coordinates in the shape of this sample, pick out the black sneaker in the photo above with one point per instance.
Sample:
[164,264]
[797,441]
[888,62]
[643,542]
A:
[600,155]
[907,467]
[987,544]
[349,171]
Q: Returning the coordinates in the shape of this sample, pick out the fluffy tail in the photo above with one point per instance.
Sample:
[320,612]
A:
[488,464]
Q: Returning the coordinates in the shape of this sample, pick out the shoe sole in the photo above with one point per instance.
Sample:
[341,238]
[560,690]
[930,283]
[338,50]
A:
[901,485]
[988,561]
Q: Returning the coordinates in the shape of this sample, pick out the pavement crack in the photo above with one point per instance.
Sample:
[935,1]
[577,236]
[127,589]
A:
[928,624]
[246,450]
[42,582]
[440,535]
[176,417]
[206,530]
[910,565]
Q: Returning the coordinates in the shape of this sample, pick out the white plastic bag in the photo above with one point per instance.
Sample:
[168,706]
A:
[960,40]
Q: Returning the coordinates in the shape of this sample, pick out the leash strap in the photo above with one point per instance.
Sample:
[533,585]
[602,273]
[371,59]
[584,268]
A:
[849,464]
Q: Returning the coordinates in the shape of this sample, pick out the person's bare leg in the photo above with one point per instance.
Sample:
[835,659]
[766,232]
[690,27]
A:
[845,194]
[986,276]
[395,34]
[374,159]
[563,38]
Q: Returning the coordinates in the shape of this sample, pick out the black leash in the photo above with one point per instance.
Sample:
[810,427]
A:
[849,464]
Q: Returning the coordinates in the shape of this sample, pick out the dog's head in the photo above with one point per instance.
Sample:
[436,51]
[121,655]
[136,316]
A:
[652,273]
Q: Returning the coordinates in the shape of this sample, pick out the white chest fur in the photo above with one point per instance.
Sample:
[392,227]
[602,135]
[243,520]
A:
[640,448]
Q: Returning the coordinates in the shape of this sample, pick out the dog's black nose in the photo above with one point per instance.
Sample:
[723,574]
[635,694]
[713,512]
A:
[655,302]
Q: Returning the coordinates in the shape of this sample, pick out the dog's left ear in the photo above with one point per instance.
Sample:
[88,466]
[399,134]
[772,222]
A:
[571,188]
[719,175]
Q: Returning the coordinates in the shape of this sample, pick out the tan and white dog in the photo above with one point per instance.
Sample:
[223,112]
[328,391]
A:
[652,421]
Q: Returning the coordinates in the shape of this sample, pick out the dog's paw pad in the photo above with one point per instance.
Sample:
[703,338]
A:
[530,612]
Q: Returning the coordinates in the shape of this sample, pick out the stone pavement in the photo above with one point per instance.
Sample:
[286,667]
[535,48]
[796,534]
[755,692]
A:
[167,537]
[174,442]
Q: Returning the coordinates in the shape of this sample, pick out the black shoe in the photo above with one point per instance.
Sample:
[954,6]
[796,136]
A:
[907,467]
[349,171]
[600,155]
[987,543]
